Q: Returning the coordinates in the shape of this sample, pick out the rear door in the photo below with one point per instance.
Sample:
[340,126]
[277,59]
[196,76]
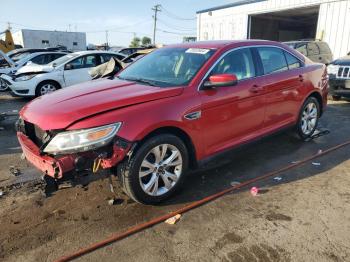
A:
[233,114]
[77,71]
[282,80]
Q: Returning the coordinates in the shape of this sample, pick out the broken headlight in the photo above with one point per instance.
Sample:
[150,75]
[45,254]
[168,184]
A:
[82,140]
[24,78]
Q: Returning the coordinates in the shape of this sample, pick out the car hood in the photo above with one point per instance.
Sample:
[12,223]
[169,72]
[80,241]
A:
[345,61]
[67,106]
[33,68]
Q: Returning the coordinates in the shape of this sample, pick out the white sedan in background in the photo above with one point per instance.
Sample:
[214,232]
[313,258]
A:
[12,65]
[71,69]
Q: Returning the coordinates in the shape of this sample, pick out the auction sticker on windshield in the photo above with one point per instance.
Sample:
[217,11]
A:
[201,51]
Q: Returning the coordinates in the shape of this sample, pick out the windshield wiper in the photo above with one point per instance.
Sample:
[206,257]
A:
[140,80]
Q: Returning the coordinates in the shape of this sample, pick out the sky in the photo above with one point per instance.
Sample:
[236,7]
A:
[123,19]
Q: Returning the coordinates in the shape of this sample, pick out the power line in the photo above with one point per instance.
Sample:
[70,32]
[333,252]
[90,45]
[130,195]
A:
[171,15]
[176,27]
[176,33]
[156,9]
[115,29]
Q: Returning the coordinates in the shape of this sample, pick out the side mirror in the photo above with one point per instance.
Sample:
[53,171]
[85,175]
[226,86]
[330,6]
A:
[221,80]
[68,67]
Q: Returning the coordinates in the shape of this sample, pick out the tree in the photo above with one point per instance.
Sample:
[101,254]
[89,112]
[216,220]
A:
[135,42]
[146,41]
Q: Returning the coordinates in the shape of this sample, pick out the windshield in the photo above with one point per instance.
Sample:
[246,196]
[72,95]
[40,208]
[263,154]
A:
[62,60]
[167,66]
[17,57]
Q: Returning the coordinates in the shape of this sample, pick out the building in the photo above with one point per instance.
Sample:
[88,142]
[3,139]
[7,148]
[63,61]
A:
[279,20]
[74,41]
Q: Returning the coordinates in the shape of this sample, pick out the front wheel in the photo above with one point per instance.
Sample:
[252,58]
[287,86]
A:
[308,118]
[156,170]
[46,87]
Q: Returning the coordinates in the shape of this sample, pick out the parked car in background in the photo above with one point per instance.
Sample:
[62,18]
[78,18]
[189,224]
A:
[39,58]
[135,56]
[20,53]
[113,66]
[172,110]
[131,50]
[317,51]
[339,78]
[68,70]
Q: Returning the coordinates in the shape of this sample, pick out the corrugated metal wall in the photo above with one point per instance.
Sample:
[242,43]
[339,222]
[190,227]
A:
[334,26]
[232,23]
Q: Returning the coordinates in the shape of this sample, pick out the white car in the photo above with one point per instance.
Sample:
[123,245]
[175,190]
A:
[71,69]
[11,66]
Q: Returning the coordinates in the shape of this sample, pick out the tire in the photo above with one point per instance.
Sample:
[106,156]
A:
[142,189]
[336,98]
[308,118]
[46,87]
[3,87]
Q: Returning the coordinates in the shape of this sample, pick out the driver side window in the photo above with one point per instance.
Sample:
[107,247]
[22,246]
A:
[76,63]
[239,63]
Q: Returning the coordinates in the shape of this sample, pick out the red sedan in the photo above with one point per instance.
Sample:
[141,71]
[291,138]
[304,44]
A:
[171,111]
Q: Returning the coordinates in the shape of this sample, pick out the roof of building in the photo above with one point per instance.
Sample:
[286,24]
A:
[233,4]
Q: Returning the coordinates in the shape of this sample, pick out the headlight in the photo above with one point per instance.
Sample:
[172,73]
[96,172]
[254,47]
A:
[24,78]
[332,69]
[82,140]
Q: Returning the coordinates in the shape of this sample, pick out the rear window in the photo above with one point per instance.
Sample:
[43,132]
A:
[324,48]
[301,48]
[292,61]
[312,49]
[273,59]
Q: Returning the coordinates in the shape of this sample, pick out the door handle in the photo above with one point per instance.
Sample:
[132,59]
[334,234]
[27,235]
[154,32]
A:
[256,89]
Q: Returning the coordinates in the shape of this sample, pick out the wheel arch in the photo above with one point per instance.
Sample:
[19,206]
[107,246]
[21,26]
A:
[179,133]
[49,81]
[318,96]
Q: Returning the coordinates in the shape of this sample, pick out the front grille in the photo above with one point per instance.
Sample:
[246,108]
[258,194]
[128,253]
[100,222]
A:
[35,133]
[344,72]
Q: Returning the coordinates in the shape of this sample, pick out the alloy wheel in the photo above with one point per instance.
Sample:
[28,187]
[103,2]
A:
[309,118]
[47,88]
[160,170]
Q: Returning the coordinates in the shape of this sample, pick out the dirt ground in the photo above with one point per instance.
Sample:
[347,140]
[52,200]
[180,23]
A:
[304,216]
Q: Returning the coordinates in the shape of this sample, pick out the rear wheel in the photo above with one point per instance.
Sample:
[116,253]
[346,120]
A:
[46,87]
[308,118]
[156,170]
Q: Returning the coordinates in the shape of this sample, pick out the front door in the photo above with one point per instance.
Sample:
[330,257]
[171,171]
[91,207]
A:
[231,115]
[77,71]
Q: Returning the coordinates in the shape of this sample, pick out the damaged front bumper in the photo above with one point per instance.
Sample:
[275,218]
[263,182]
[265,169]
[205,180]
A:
[56,167]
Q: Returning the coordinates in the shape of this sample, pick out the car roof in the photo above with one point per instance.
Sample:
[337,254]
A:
[49,52]
[223,43]
[92,52]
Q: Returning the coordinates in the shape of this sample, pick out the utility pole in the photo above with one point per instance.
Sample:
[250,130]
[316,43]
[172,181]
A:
[9,26]
[156,9]
[106,40]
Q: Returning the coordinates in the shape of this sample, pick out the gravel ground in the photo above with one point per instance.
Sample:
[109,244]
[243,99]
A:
[303,217]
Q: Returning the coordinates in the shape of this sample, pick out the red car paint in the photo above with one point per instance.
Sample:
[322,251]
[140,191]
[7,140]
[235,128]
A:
[229,115]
